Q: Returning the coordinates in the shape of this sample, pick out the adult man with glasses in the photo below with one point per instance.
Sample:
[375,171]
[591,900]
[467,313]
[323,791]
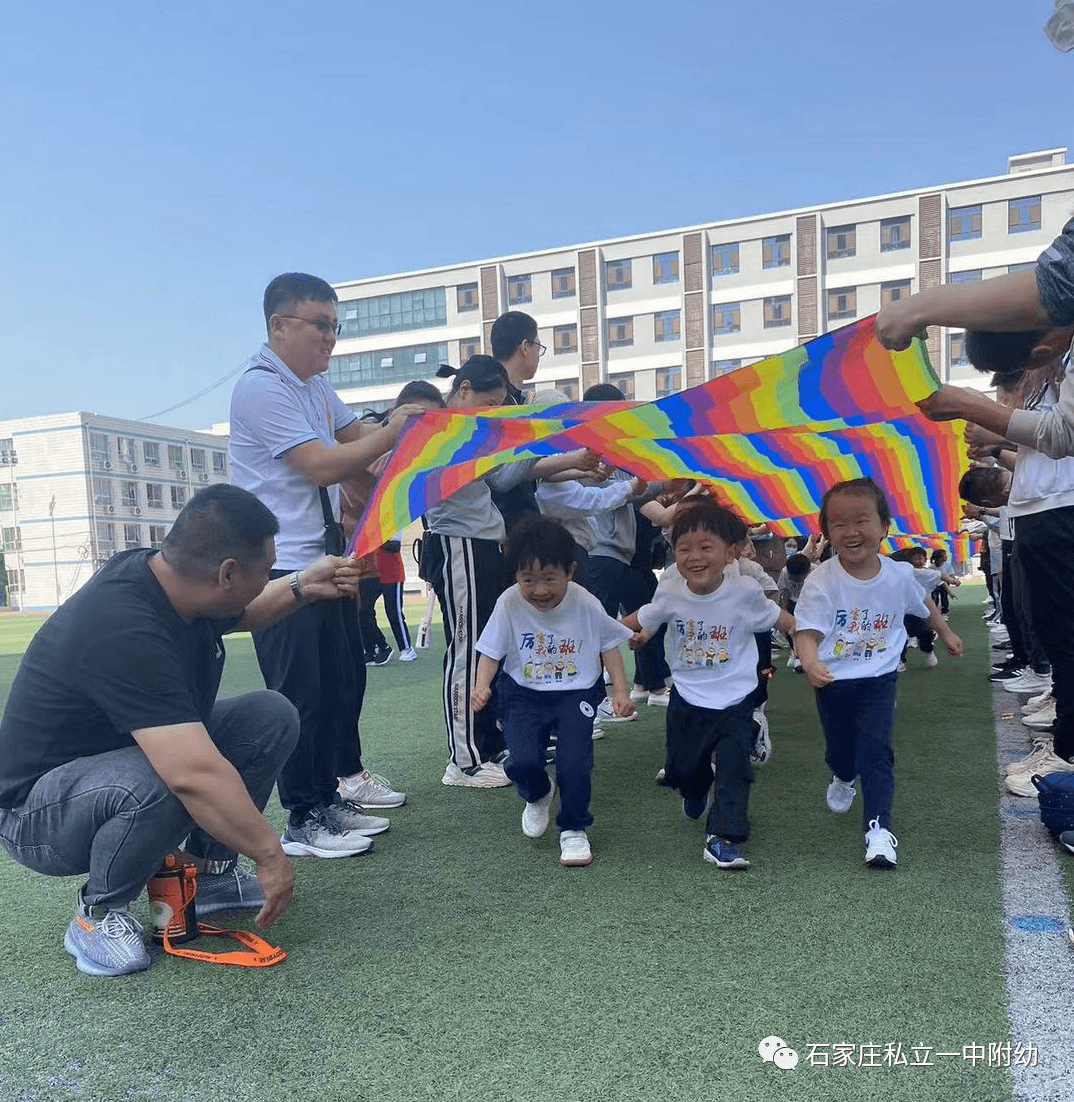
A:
[292,442]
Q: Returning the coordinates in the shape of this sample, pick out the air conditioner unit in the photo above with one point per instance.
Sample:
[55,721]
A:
[181,474]
[111,508]
[132,467]
[106,465]
[204,476]
[137,511]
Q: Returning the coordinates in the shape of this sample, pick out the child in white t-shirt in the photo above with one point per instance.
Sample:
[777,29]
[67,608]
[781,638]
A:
[555,641]
[850,636]
[712,619]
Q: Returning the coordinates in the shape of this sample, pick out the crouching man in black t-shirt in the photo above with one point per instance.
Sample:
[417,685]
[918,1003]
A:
[114,748]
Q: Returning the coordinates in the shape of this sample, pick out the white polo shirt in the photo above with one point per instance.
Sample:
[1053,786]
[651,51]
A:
[273,411]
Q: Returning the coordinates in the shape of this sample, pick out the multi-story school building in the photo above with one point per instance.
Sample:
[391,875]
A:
[77,487]
[658,312]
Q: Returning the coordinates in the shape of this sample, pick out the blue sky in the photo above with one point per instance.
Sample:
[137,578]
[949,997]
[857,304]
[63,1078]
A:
[162,163]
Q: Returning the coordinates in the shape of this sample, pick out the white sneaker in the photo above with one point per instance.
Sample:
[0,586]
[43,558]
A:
[931,659]
[660,700]
[1042,748]
[761,752]
[1029,682]
[574,851]
[840,795]
[1042,719]
[901,668]
[535,816]
[370,790]
[1021,784]
[606,715]
[408,655]
[794,662]
[639,695]
[598,731]
[486,775]
[912,641]
[1035,703]
[880,846]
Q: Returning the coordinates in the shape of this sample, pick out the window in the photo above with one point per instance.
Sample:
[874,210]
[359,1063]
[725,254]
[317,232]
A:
[842,303]
[157,532]
[132,536]
[970,276]
[666,325]
[894,234]
[568,387]
[842,242]
[126,449]
[175,457]
[519,290]
[722,367]
[9,497]
[98,444]
[894,290]
[956,349]
[1023,214]
[964,223]
[393,313]
[154,495]
[387,365]
[564,339]
[197,460]
[1024,267]
[625,383]
[666,268]
[777,311]
[724,259]
[618,274]
[466,297]
[102,492]
[470,346]
[12,539]
[668,381]
[16,583]
[178,497]
[620,332]
[727,317]
[106,538]
[776,251]
[128,494]
[150,453]
[220,463]
[7,451]
[563,283]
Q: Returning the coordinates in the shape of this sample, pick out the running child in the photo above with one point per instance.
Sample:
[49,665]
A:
[713,618]
[849,637]
[555,641]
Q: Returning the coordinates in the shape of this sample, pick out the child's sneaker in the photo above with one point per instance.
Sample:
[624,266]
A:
[880,846]
[840,795]
[761,751]
[574,851]
[694,809]
[639,695]
[113,945]
[606,714]
[659,700]
[408,655]
[535,815]
[931,659]
[724,855]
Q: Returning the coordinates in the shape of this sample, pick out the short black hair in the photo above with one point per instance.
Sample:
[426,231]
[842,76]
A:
[292,287]
[483,373]
[863,487]
[219,522]
[984,486]
[1002,353]
[509,331]
[543,541]
[705,515]
[903,554]
[418,390]
[938,556]
[798,565]
[603,392]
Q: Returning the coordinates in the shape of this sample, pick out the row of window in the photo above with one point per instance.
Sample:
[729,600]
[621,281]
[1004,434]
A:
[393,313]
[1023,215]
[388,365]
[128,496]
[129,455]
[132,537]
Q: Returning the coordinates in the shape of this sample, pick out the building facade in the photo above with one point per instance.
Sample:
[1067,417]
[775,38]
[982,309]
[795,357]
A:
[75,488]
[657,313]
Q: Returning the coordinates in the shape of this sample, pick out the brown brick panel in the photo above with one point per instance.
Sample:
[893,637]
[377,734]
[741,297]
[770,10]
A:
[693,262]
[589,336]
[807,308]
[930,220]
[806,232]
[695,367]
[695,320]
[928,275]
[490,294]
[587,279]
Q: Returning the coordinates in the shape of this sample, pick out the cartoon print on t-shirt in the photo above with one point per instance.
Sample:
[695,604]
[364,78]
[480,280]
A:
[548,659]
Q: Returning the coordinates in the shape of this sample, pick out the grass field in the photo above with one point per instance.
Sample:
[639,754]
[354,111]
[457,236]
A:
[460,961]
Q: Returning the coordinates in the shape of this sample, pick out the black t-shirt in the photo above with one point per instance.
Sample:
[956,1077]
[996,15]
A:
[520,501]
[113,659]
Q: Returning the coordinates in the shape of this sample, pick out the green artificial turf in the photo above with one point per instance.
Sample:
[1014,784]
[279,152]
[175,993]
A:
[458,960]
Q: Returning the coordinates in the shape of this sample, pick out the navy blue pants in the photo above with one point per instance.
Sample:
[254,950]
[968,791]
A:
[694,736]
[858,717]
[530,717]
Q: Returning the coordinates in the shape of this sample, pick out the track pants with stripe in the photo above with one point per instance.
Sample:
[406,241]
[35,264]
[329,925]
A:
[372,636]
[468,576]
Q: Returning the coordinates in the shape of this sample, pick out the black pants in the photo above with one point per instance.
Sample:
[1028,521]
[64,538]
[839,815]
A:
[373,589]
[617,585]
[1044,544]
[693,735]
[315,658]
[1018,611]
[918,628]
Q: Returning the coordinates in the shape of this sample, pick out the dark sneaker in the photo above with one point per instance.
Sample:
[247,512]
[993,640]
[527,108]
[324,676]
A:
[694,809]
[235,890]
[112,945]
[351,816]
[381,657]
[725,855]
[319,835]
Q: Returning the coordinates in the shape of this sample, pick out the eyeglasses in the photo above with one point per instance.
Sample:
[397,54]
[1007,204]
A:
[541,348]
[323,324]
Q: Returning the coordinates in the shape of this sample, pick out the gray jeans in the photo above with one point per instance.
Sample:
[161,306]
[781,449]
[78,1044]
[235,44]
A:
[111,816]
